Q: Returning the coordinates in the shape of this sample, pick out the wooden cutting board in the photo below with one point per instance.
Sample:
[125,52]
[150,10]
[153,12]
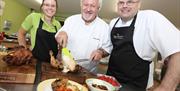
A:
[49,72]
[17,74]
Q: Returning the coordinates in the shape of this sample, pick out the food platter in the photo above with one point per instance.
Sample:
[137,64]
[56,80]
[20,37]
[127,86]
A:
[46,85]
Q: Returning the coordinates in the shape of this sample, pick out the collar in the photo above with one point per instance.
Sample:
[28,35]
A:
[53,20]
[90,22]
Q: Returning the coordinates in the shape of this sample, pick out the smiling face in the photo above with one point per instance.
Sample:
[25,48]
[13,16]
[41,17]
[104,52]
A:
[89,10]
[49,8]
[127,9]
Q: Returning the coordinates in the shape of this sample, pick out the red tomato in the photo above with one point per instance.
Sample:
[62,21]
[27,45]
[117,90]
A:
[109,79]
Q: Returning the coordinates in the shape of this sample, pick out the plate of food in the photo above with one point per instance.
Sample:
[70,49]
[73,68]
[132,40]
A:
[60,85]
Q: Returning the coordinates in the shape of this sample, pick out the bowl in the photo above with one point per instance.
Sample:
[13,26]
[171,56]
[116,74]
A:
[110,79]
[99,85]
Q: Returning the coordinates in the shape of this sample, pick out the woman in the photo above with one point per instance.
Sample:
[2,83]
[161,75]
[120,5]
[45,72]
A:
[42,28]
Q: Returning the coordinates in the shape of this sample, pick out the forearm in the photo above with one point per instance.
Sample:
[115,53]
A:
[172,76]
[22,38]
[22,41]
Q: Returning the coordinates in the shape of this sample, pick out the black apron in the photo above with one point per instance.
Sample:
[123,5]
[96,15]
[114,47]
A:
[124,64]
[45,41]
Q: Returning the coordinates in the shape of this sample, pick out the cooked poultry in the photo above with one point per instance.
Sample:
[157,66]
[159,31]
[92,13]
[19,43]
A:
[59,84]
[63,85]
[67,62]
[54,62]
[18,56]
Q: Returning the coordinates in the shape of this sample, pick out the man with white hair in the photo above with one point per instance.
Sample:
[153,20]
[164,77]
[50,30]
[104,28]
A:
[86,35]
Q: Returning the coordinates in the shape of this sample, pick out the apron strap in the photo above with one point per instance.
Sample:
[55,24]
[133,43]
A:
[41,23]
[132,24]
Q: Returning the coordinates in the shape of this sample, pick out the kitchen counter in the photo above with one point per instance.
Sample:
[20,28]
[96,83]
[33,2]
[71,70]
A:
[45,71]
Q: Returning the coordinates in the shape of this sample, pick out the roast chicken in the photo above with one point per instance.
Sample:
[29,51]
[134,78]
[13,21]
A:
[63,85]
[64,61]
[18,56]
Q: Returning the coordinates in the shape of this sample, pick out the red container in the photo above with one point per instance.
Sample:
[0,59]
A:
[2,35]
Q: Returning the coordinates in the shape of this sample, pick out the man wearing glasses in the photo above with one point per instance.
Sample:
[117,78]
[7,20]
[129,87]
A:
[136,37]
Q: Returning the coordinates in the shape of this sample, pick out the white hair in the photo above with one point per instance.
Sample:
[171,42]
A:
[100,3]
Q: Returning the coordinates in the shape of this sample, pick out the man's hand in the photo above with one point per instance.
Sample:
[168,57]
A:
[96,55]
[62,38]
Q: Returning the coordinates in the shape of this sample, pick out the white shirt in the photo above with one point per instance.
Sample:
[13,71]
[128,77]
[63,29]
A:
[84,39]
[153,33]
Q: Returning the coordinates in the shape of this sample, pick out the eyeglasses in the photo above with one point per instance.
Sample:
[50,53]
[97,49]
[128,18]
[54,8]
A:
[128,3]
[49,5]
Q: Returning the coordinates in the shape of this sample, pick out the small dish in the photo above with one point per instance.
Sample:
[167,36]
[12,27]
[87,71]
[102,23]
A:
[100,85]
[110,79]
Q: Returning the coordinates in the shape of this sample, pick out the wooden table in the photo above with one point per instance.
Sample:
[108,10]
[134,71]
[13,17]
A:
[45,71]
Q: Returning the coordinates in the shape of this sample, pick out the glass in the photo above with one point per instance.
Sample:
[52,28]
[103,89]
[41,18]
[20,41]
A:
[128,3]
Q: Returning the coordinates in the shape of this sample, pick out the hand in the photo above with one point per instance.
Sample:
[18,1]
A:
[62,38]
[96,55]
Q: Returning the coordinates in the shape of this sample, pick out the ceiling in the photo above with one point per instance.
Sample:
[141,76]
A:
[169,8]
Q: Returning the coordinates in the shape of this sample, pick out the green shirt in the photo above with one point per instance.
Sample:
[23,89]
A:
[31,24]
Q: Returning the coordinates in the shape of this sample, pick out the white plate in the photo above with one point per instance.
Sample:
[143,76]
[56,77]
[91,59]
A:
[46,85]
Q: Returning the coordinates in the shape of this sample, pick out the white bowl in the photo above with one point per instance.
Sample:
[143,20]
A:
[110,79]
[91,81]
